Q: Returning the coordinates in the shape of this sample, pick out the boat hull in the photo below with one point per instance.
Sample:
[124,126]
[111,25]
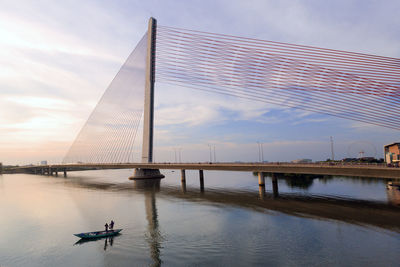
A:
[92,235]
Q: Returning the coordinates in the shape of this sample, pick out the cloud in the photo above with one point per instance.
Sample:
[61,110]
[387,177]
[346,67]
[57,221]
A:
[50,79]
[57,58]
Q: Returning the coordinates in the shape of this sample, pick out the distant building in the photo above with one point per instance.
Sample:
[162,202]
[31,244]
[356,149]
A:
[43,162]
[392,153]
[302,161]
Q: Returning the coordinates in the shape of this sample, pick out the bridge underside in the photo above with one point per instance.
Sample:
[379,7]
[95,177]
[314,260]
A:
[143,173]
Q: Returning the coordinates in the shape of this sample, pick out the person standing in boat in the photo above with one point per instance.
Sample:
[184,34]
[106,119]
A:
[112,225]
[106,226]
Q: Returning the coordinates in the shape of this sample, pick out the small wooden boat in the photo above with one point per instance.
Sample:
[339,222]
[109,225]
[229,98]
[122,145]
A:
[98,234]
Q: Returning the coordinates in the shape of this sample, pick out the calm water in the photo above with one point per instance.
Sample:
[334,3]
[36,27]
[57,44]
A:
[320,222]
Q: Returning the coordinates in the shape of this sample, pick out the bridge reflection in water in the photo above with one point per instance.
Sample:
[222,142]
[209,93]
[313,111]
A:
[354,211]
[393,193]
[154,237]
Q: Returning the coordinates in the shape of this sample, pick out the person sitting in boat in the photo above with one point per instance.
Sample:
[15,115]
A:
[112,225]
[106,226]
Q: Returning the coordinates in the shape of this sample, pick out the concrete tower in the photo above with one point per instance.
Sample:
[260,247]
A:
[147,148]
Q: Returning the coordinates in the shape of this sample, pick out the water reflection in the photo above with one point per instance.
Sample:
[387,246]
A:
[302,181]
[305,181]
[261,192]
[354,211]
[393,193]
[107,240]
[154,237]
[230,224]
[106,244]
[348,210]
[299,181]
[183,186]
[275,186]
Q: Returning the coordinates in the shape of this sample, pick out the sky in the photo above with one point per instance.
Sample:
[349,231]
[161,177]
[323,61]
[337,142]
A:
[58,57]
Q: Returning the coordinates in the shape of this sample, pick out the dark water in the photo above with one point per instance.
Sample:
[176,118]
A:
[318,222]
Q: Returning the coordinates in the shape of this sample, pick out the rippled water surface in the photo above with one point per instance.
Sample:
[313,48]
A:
[313,222]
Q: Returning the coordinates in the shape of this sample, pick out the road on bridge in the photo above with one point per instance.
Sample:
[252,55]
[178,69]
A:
[360,170]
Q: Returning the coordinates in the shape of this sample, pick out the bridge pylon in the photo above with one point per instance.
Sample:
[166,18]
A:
[148,125]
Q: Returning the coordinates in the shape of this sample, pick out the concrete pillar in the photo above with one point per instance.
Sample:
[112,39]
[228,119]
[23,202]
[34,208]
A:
[1,168]
[148,120]
[148,116]
[275,185]
[261,179]
[56,171]
[201,180]
[42,171]
[183,176]
[49,172]
[65,172]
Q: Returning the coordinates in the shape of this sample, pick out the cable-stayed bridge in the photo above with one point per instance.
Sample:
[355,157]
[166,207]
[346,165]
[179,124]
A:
[348,85]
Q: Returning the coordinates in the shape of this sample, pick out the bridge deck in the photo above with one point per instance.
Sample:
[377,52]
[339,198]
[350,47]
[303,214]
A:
[361,170]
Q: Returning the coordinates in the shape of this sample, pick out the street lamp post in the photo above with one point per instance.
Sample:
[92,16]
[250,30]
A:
[209,146]
[175,155]
[262,152]
[215,155]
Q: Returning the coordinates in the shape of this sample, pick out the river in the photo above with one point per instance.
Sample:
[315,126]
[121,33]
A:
[328,221]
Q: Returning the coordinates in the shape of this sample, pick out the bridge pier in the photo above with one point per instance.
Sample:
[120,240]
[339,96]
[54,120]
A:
[275,191]
[140,174]
[56,172]
[1,168]
[183,181]
[261,179]
[65,172]
[201,176]
[183,176]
